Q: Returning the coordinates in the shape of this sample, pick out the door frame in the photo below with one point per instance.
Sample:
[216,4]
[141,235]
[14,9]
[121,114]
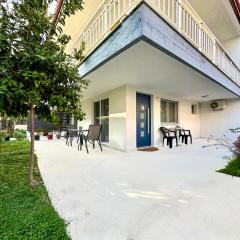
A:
[149,119]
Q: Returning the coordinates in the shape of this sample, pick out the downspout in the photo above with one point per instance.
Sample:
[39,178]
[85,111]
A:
[57,10]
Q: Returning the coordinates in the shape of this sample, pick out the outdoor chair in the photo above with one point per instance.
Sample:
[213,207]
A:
[91,136]
[169,135]
[184,135]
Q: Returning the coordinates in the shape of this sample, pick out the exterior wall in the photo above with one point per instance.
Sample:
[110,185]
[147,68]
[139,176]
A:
[75,23]
[122,116]
[22,127]
[233,48]
[131,118]
[117,116]
[217,123]
[186,118]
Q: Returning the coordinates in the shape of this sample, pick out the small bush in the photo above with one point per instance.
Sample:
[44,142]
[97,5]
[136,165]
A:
[3,135]
[19,134]
[233,167]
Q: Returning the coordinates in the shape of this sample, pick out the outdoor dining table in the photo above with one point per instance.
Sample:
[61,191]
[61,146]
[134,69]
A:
[71,133]
[175,129]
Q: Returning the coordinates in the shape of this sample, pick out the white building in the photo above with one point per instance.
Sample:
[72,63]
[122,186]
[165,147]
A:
[156,63]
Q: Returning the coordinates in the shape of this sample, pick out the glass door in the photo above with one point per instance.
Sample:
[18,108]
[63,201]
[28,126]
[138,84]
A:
[101,116]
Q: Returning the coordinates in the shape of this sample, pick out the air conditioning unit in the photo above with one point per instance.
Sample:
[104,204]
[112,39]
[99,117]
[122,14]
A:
[217,105]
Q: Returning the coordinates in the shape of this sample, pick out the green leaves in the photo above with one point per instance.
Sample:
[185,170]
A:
[34,67]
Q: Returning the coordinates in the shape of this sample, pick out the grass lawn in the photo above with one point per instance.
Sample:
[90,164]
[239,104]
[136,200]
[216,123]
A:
[25,213]
[232,168]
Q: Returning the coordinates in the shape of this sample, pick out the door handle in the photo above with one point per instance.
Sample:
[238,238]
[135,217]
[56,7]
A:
[148,119]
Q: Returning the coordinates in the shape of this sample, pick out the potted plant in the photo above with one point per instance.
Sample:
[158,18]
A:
[37,134]
[50,135]
[7,138]
[58,135]
[3,135]
[45,132]
[58,126]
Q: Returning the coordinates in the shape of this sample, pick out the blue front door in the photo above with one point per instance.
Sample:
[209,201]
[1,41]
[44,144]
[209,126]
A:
[143,120]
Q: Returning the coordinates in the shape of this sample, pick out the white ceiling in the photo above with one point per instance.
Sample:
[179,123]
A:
[147,67]
[219,16]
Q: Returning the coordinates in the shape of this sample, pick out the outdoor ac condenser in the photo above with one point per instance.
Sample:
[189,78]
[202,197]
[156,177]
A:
[217,105]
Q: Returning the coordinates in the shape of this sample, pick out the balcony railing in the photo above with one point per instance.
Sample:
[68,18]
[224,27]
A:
[110,15]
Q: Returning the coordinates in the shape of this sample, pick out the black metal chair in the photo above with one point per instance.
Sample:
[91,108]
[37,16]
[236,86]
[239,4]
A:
[91,135]
[169,135]
[184,135]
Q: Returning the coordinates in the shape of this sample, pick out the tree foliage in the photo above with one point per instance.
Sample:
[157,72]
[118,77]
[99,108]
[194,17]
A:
[34,68]
[37,76]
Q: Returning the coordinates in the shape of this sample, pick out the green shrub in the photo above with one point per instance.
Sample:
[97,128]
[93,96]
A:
[19,134]
[3,135]
[233,167]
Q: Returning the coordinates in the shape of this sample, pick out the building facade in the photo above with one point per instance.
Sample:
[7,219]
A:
[154,63]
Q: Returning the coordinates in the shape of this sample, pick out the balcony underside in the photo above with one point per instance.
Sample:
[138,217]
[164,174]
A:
[147,52]
[145,67]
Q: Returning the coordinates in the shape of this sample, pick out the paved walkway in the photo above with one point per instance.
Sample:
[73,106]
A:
[165,195]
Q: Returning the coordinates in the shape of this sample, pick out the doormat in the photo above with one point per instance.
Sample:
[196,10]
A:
[148,149]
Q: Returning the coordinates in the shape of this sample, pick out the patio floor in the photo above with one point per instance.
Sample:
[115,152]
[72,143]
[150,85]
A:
[171,194]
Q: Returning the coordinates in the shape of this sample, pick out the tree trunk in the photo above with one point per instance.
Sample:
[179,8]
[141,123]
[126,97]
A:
[31,159]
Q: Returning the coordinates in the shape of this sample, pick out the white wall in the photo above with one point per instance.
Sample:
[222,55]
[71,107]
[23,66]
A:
[217,123]
[122,116]
[131,118]
[117,116]
[233,48]
[21,127]
[186,118]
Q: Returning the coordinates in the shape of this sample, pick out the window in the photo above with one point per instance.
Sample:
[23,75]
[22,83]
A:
[169,111]
[194,109]
[101,116]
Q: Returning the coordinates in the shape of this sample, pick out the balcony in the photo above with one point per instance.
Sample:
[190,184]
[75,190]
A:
[176,13]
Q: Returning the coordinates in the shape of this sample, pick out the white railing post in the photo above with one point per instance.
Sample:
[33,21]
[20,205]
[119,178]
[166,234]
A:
[179,15]
[214,51]
[238,77]
[123,6]
[200,37]
[105,18]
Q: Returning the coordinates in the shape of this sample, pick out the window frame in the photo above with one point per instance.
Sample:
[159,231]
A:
[176,113]
[102,117]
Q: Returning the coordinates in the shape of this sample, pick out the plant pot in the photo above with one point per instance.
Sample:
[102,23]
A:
[37,137]
[50,136]
[45,134]
[58,136]
[7,138]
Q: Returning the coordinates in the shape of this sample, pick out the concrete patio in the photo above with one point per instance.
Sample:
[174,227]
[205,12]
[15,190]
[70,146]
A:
[171,194]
